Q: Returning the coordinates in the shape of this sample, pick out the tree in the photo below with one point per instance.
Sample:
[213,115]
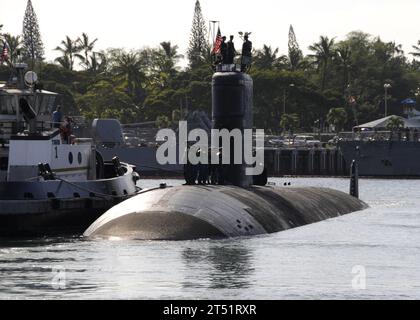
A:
[86,46]
[337,117]
[169,57]
[266,58]
[15,46]
[395,123]
[289,121]
[295,54]
[33,49]
[198,50]
[98,63]
[129,66]
[417,48]
[324,51]
[163,122]
[343,54]
[104,99]
[69,49]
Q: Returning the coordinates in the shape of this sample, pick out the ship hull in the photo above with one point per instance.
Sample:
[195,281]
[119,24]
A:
[53,208]
[143,158]
[383,158]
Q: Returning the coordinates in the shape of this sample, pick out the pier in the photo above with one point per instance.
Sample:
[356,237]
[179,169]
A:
[305,162]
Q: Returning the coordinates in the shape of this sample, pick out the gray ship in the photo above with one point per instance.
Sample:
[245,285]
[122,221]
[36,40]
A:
[137,143]
[50,183]
[384,153]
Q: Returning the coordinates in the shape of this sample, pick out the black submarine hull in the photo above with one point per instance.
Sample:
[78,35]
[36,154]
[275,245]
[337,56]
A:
[195,212]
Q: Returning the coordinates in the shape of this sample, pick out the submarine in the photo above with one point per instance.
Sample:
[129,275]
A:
[236,206]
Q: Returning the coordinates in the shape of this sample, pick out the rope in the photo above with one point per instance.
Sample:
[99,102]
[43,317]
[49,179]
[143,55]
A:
[101,195]
[160,169]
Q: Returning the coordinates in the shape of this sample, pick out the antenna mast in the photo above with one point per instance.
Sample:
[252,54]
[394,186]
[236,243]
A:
[213,31]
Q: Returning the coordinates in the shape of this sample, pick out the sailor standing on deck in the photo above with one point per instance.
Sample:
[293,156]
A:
[246,53]
[224,51]
[231,52]
[57,117]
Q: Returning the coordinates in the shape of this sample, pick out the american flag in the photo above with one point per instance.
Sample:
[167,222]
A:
[4,53]
[218,42]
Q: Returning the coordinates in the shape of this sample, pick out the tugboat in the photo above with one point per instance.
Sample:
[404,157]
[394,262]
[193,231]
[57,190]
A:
[50,184]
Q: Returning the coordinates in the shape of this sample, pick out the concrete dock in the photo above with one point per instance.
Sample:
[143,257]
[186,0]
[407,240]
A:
[305,162]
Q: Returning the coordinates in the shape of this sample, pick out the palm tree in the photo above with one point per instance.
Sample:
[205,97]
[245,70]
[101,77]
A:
[417,48]
[14,44]
[98,62]
[324,51]
[395,123]
[69,50]
[266,58]
[64,62]
[343,54]
[337,117]
[129,66]
[396,48]
[86,46]
[169,57]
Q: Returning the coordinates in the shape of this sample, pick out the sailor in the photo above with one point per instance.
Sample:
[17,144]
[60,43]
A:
[203,170]
[224,51]
[220,169]
[57,117]
[190,171]
[246,53]
[65,130]
[231,52]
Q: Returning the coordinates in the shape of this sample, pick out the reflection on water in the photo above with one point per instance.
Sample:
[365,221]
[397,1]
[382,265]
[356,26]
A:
[227,266]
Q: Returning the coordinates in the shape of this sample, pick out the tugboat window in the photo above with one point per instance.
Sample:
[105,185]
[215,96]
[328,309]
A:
[70,158]
[79,158]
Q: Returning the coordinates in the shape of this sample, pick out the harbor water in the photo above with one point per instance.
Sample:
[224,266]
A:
[373,254]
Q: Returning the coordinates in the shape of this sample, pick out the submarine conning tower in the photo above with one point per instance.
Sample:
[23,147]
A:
[222,211]
[232,104]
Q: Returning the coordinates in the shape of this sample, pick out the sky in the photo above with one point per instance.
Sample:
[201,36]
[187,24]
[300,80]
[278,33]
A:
[134,24]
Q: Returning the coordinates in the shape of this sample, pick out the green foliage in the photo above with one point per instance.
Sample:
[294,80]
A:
[69,50]
[104,99]
[33,49]
[266,59]
[198,51]
[337,117]
[15,47]
[163,122]
[289,122]
[148,84]
[395,123]
[323,54]
[295,54]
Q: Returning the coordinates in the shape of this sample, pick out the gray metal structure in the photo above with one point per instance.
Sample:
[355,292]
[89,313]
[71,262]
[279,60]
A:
[383,158]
